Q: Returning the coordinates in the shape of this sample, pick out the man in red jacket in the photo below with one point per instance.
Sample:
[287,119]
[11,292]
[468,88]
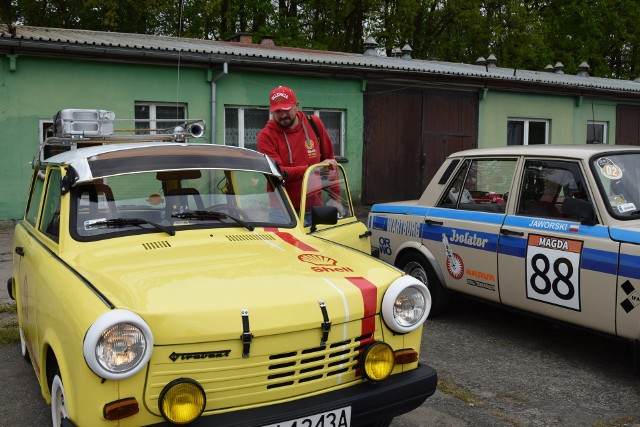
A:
[291,141]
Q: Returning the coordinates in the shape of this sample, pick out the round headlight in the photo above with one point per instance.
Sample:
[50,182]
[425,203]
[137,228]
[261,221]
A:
[118,345]
[182,401]
[121,347]
[406,304]
[377,361]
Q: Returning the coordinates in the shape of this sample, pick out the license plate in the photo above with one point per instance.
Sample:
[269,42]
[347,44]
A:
[336,418]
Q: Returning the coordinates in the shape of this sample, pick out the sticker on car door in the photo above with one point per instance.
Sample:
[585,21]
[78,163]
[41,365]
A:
[553,270]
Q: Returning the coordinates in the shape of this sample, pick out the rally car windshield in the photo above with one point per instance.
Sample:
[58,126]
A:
[619,182]
[169,201]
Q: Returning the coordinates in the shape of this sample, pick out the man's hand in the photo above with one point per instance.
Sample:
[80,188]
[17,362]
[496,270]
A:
[332,163]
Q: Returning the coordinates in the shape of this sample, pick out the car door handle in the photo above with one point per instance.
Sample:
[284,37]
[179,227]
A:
[365,234]
[20,250]
[432,222]
[508,232]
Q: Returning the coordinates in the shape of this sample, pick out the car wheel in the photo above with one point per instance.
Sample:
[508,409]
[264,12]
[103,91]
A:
[381,423]
[59,412]
[23,346]
[416,265]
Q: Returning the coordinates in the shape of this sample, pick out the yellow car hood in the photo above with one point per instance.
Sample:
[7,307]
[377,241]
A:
[194,289]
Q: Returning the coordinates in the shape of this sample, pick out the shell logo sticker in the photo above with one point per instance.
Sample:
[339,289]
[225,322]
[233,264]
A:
[323,263]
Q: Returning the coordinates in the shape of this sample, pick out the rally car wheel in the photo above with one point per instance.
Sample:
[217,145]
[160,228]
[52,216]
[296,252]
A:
[416,265]
[59,412]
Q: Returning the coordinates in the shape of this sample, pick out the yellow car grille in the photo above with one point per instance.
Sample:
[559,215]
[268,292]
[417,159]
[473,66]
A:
[232,382]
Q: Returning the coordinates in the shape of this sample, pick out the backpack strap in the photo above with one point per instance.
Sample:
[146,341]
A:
[314,126]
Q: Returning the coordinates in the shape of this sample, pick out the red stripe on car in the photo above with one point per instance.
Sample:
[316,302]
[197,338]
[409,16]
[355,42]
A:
[370,299]
[291,239]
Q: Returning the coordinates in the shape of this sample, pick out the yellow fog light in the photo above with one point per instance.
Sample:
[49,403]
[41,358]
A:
[182,401]
[377,361]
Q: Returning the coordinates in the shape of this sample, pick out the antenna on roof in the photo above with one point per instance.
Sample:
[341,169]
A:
[179,58]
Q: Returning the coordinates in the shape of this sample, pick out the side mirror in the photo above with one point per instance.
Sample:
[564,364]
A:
[579,209]
[323,215]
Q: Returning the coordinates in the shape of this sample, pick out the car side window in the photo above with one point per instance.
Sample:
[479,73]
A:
[34,201]
[480,185]
[50,224]
[546,185]
[327,187]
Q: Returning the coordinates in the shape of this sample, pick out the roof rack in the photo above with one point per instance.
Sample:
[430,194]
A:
[75,128]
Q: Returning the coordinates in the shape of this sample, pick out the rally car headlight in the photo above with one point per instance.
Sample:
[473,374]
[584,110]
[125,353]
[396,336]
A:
[118,345]
[406,304]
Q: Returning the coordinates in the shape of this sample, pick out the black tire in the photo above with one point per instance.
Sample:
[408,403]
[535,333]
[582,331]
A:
[416,265]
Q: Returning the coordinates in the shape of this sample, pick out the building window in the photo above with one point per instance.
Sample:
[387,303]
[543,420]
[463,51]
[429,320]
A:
[527,132]
[242,124]
[156,116]
[596,132]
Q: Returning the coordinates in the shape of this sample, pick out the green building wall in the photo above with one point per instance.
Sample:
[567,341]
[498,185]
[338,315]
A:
[33,89]
[568,116]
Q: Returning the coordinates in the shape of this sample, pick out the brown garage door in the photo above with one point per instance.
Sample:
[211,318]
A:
[408,134]
[628,125]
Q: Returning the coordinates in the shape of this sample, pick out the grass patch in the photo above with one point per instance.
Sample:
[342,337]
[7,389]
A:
[452,389]
[630,420]
[9,333]
[11,308]
[9,324]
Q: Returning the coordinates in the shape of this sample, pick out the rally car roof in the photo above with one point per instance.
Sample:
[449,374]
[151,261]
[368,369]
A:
[573,151]
[102,161]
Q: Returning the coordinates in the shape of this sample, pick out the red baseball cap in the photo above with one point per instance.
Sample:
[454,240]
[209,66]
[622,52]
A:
[282,98]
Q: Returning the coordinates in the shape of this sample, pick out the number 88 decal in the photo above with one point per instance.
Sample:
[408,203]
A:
[553,274]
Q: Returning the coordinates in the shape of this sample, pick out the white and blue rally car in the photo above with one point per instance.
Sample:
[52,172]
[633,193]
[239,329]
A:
[559,236]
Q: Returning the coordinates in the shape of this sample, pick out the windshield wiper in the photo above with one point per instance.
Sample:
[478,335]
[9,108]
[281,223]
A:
[125,222]
[208,215]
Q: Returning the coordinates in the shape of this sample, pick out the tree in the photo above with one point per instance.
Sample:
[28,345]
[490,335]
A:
[523,34]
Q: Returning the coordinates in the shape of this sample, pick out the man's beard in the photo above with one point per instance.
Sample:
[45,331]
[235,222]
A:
[286,122]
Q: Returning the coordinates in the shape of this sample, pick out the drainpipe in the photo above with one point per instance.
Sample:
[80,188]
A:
[225,70]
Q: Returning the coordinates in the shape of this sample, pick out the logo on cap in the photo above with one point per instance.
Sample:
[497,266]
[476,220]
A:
[282,98]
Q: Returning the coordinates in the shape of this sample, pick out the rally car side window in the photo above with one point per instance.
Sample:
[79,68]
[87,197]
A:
[34,201]
[50,223]
[480,185]
[546,185]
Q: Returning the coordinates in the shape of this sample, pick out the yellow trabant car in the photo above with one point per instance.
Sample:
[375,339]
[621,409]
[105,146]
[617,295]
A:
[163,282]
[559,235]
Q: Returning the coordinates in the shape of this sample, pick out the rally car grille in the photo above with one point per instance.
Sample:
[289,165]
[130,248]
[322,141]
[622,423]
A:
[232,382]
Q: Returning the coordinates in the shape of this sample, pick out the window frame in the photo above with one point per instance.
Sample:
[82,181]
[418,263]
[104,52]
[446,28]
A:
[605,130]
[240,109]
[526,122]
[153,120]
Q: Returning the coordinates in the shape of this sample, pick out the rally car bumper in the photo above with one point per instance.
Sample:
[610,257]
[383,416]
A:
[369,403]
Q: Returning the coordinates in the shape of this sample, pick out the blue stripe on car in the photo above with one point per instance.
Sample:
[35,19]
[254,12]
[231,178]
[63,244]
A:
[592,259]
